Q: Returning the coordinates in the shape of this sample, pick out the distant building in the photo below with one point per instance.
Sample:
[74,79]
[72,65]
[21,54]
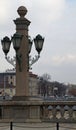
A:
[8,83]
[33,84]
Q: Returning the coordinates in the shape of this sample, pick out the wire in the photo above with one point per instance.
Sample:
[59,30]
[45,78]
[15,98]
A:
[67,127]
[4,126]
[33,126]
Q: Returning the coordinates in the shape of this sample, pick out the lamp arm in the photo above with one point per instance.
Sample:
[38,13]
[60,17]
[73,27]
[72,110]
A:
[33,60]
[12,61]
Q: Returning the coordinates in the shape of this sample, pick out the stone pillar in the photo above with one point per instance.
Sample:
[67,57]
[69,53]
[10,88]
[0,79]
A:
[22,76]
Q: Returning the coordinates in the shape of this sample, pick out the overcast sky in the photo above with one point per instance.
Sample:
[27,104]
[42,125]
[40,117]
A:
[56,21]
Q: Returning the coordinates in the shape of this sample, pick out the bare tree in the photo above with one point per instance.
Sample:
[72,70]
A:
[47,88]
[46,77]
[44,82]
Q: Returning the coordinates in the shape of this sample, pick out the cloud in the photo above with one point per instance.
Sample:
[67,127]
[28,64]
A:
[8,7]
[4,10]
[59,60]
[41,12]
[53,8]
[46,12]
[26,3]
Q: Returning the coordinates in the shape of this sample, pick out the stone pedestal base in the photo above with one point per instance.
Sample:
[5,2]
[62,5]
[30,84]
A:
[20,98]
[21,111]
[26,98]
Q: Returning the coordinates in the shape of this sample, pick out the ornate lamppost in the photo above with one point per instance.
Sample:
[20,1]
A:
[22,45]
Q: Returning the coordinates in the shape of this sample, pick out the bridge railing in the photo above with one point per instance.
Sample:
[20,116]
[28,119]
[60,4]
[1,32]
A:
[59,112]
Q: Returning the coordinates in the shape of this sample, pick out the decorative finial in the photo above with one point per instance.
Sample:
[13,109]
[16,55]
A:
[22,11]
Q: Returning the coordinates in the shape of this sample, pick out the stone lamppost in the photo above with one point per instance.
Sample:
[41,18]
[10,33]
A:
[22,45]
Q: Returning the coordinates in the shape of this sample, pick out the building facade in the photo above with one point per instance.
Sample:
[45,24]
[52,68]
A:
[8,84]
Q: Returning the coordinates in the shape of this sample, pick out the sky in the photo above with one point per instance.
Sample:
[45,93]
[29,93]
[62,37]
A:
[55,20]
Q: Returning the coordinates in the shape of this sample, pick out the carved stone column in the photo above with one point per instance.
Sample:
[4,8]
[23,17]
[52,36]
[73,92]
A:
[22,76]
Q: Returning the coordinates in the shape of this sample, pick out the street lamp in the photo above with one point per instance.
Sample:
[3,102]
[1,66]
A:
[6,42]
[16,39]
[22,44]
[6,45]
[38,41]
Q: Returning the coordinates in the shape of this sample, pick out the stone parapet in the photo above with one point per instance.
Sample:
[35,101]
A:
[38,111]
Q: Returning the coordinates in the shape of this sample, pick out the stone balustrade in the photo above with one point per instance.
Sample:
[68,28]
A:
[35,110]
[59,111]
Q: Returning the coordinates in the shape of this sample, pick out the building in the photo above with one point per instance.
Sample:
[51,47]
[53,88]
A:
[33,84]
[8,83]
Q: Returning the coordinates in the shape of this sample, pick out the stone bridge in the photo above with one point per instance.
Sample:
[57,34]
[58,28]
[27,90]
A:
[38,111]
